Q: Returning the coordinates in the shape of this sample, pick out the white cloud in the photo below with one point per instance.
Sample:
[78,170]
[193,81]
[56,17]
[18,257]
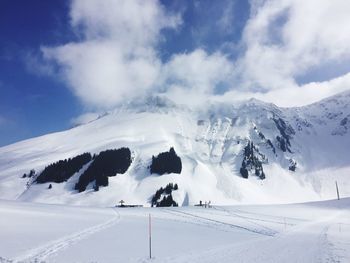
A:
[117,58]
[294,96]
[101,74]
[197,71]
[286,38]
[134,24]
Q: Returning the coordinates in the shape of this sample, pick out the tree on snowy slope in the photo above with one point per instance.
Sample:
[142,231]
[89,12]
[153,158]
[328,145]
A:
[167,201]
[166,163]
[107,163]
[165,192]
[62,170]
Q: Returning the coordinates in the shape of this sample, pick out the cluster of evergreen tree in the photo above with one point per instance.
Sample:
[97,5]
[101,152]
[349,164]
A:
[167,201]
[62,170]
[167,197]
[250,161]
[166,163]
[107,163]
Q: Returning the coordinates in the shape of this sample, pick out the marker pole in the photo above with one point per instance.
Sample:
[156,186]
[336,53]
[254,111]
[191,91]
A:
[336,186]
[150,235]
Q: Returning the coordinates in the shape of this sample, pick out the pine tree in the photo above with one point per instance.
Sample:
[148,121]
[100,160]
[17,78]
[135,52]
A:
[166,162]
[107,163]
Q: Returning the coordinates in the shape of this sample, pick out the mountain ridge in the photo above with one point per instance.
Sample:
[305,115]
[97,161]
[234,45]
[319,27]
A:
[211,142]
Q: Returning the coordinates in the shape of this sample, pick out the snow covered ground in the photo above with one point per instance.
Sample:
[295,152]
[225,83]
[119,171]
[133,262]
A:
[58,224]
[309,232]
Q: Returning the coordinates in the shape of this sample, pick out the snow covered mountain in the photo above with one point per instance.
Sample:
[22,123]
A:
[238,152]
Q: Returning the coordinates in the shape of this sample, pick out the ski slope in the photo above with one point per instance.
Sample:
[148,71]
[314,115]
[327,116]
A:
[309,232]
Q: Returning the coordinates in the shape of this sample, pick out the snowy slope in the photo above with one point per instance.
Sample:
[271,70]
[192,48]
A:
[210,139]
[311,232]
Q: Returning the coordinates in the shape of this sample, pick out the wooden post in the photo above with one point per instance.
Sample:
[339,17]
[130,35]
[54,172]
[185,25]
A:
[336,186]
[150,235]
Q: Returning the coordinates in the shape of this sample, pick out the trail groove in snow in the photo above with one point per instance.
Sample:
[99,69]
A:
[253,230]
[308,242]
[253,220]
[236,213]
[40,253]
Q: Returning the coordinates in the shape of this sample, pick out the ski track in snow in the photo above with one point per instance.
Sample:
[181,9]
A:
[236,213]
[293,246]
[253,220]
[210,220]
[192,220]
[40,253]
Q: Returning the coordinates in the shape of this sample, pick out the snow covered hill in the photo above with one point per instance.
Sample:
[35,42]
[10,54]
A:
[287,154]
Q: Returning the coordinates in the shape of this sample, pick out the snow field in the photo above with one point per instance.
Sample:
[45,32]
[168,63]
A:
[310,232]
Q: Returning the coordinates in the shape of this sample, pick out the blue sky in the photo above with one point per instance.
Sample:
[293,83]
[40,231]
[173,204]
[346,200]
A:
[63,59]
[30,104]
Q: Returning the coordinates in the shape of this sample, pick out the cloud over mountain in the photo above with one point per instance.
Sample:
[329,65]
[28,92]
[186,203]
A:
[117,55]
[282,45]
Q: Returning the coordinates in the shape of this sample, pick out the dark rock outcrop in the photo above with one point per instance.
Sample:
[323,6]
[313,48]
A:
[286,132]
[251,162]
